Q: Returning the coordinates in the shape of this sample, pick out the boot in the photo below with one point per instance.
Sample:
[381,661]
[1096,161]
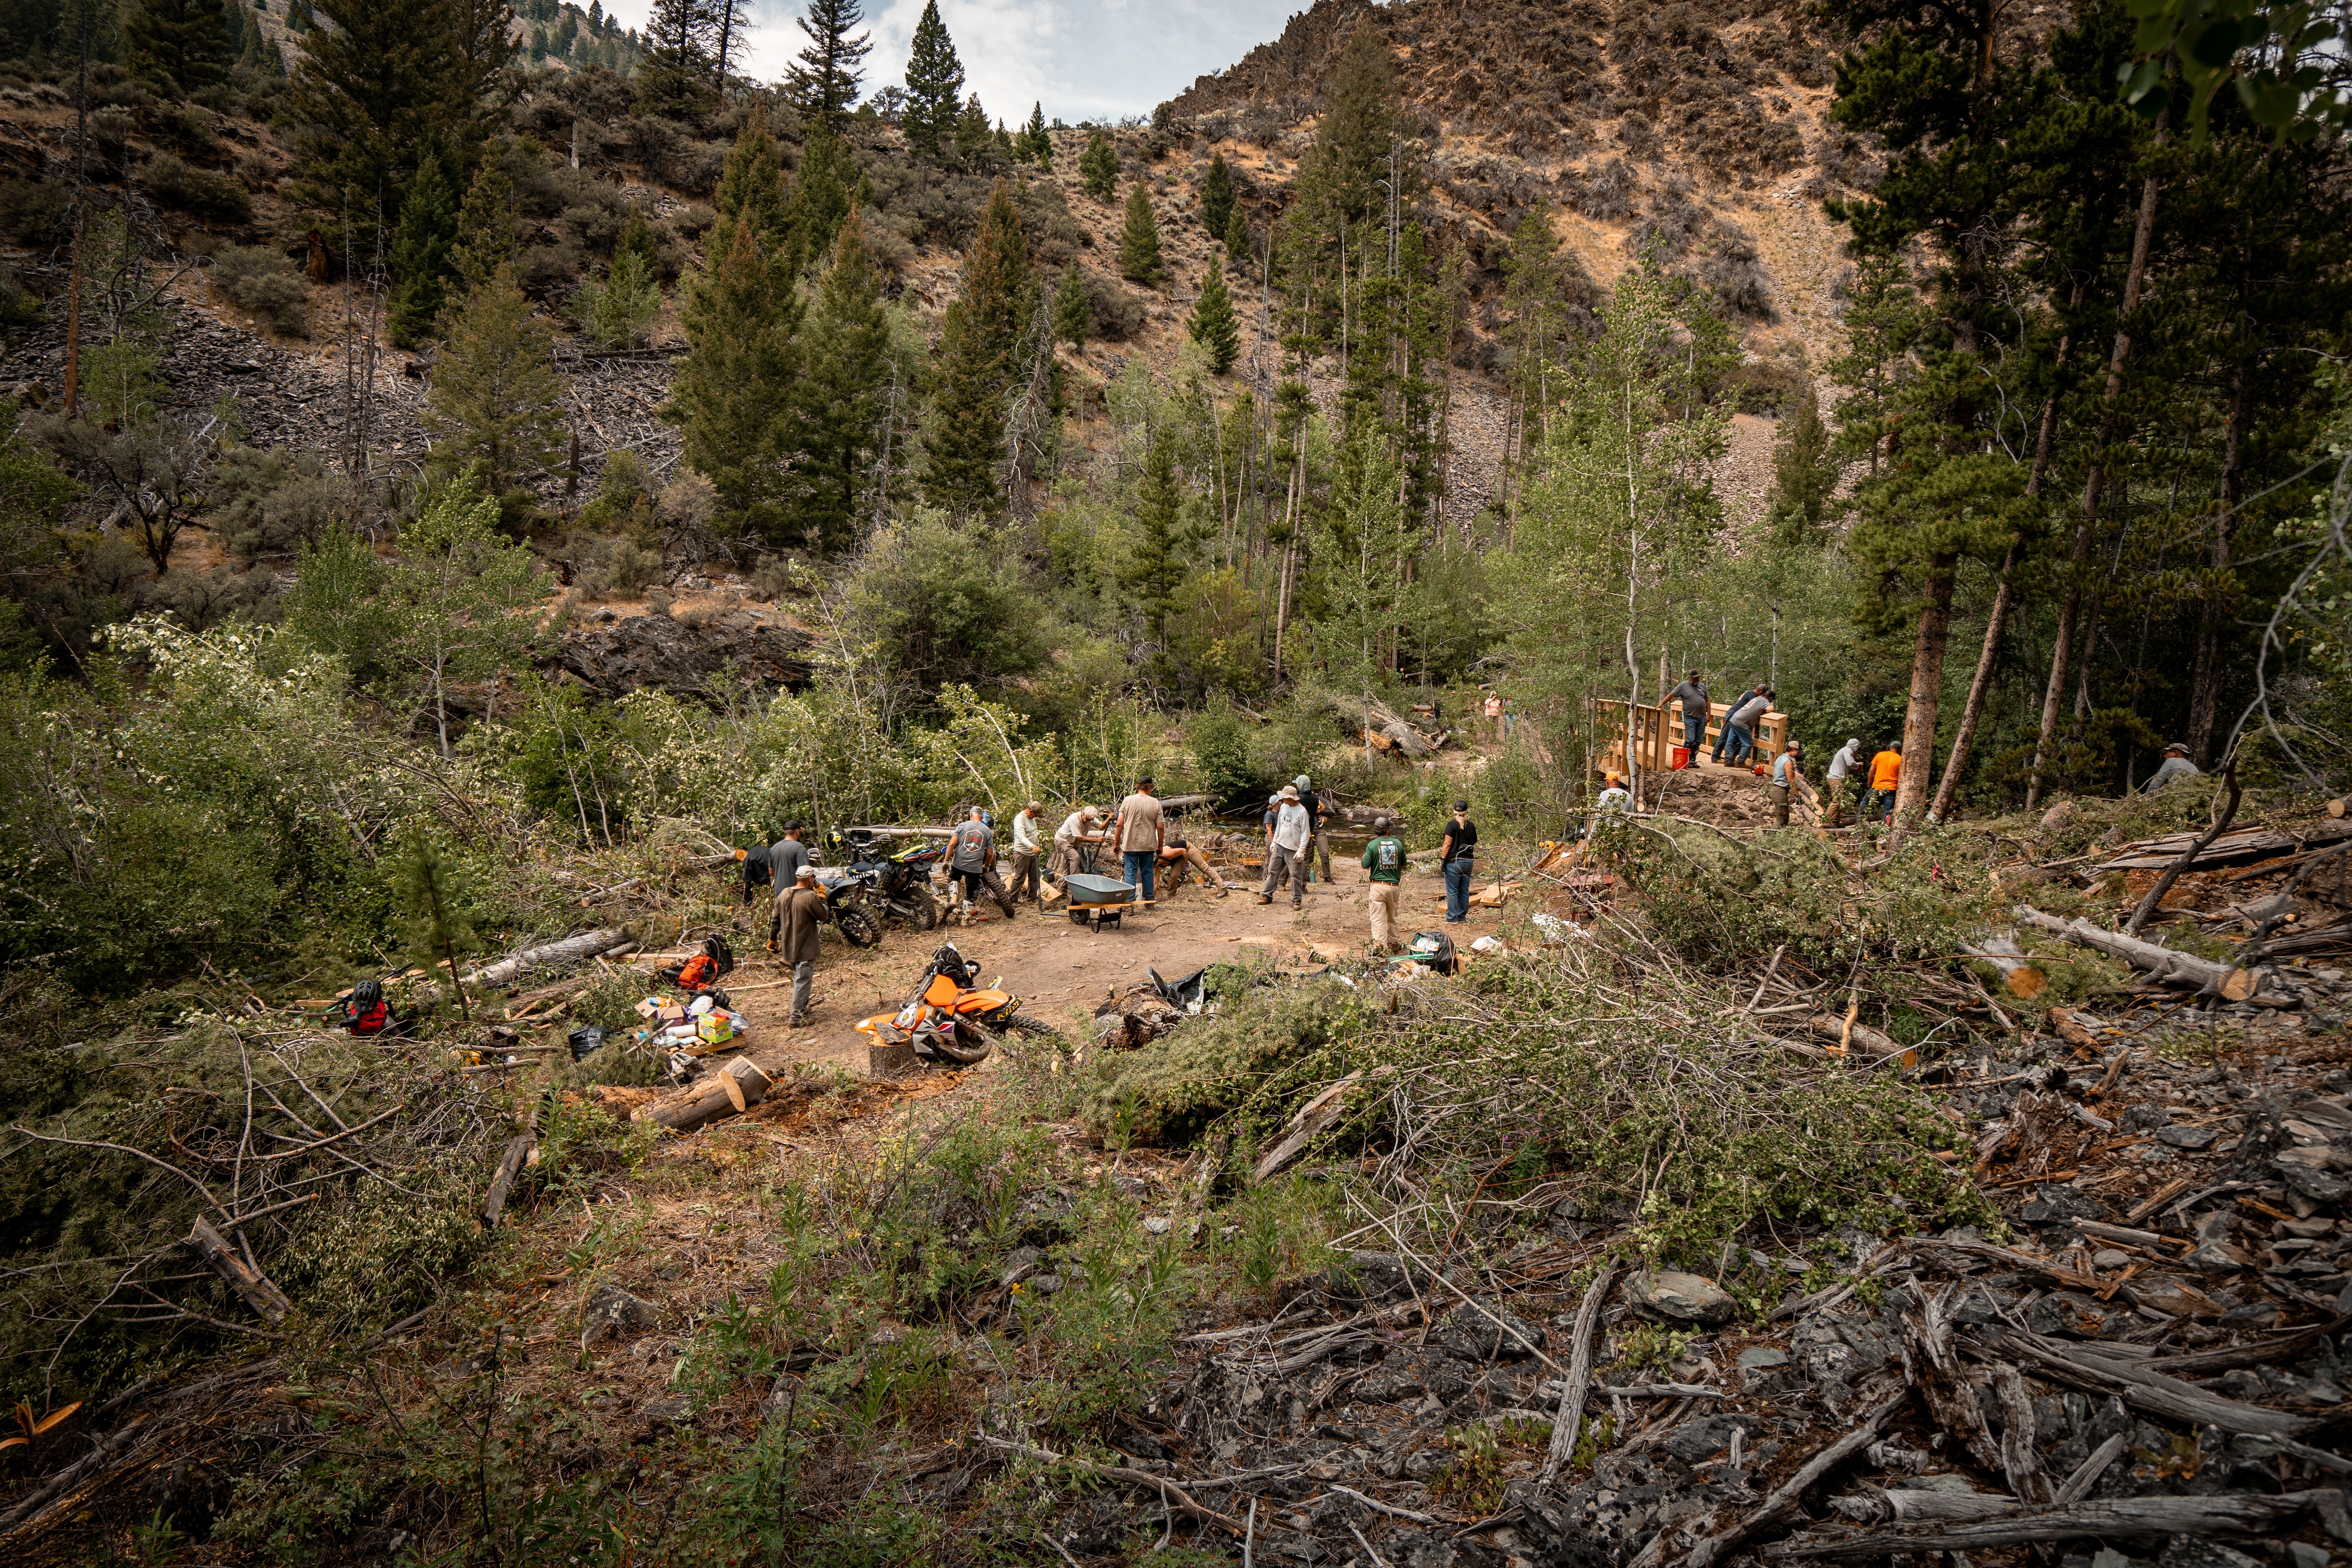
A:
[1265,897]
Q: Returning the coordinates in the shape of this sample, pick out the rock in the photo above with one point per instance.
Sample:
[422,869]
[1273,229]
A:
[1683,1298]
[1446,1379]
[2304,1555]
[2320,1186]
[1021,1263]
[2217,1257]
[1158,1224]
[1759,1358]
[664,1413]
[1367,1278]
[2064,1312]
[1473,1336]
[2058,1203]
[637,651]
[2191,1138]
[611,1310]
[1044,1284]
[1701,1436]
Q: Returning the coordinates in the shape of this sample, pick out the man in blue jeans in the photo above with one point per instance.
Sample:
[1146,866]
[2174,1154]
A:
[1455,855]
[1692,695]
[1137,831]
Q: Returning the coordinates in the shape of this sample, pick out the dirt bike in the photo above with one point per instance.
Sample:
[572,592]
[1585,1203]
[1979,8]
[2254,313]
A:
[847,896]
[949,1018]
[891,887]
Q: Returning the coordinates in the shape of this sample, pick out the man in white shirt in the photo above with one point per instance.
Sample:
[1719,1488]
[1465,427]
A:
[1842,767]
[2177,765]
[1286,854]
[1616,798]
[1025,849]
[1073,837]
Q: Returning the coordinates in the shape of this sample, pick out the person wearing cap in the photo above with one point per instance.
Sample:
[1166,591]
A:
[1885,778]
[1139,830]
[2177,765]
[1615,797]
[1842,767]
[1318,859]
[1272,814]
[1383,863]
[800,910]
[1074,839]
[1456,855]
[1784,778]
[1025,849]
[1287,851]
[1739,725]
[971,855]
[1692,695]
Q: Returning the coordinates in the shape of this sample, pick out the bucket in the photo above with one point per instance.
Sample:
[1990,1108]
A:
[1682,758]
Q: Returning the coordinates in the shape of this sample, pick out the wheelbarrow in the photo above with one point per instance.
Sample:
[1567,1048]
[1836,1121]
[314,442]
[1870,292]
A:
[1098,901]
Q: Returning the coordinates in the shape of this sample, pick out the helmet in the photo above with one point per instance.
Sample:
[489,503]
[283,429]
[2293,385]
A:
[367,993]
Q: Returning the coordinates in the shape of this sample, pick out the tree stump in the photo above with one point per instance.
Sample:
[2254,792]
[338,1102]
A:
[732,1090]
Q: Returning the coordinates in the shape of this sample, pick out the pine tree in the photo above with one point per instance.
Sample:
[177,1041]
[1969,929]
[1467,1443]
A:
[1213,325]
[180,44]
[420,265]
[681,54]
[732,391]
[1237,237]
[730,24]
[820,200]
[1036,146]
[835,412]
[1099,165]
[495,407]
[1217,196]
[934,86]
[1804,477]
[751,191]
[1074,313]
[964,448]
[1138,242]
[974,136]
[1156,567]
[386,80]
[825,77]
[486,240]
[637,237]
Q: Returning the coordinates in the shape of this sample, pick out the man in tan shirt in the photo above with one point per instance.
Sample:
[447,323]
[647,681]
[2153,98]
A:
[799,913]
[1137,831]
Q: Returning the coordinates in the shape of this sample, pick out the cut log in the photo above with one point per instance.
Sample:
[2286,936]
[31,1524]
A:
[2338,807]
[1877,1042]
[2255,1516]
[250,1284]
[729,1092]
[1913,1507]
[2062,1020]
[1311,1118]
[510,1166]
[570,950]
[2162,963]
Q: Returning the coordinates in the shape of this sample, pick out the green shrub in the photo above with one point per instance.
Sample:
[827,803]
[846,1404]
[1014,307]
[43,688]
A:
[1169,1091]
[260,281]
[377,1254]
[33,212]
[202,191]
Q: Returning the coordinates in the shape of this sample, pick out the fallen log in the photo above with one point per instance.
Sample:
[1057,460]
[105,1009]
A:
[2248,1516]
[2247,844]
[510,1166]
[1565,1426]
[1311,1118]
[732,1090]
[2162,963]
[1875,1042]
[2084,1367]
[570,950]
[250,1284]
[1911,1507]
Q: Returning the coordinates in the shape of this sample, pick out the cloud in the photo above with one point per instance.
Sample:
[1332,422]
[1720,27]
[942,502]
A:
[1082,59]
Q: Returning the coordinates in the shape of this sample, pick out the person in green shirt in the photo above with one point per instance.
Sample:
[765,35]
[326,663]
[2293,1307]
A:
[1383,864]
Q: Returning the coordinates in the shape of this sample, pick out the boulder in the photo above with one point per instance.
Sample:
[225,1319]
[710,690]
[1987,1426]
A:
[1682,1297]
[611,1310]
[684,656]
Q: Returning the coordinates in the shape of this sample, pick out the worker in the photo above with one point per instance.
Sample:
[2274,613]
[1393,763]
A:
[1271,815]
[971,855]
[1885,776]
[1842,767]
[1456,857]
[1139,830]
[1287,850]
[787,855]
[1025,849]
[2177,765]
[800,910]
[1723,736]
[1383,863]
[1614,798]
[1741,726]
[1495,714]
[364,1011]
[1784,778]
[757,871]
[1692,695]
[1176,852]
[1074,844]
[1318,823]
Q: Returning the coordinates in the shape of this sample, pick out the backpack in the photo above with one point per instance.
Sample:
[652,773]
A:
[1434,948]
[715,948]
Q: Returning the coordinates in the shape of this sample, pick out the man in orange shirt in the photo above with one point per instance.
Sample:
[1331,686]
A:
[1885,774]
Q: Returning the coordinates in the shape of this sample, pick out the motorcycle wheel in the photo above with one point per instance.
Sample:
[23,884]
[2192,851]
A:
[997,890]
[858,926]
[925,908]
[970,1043]
[1029,1026]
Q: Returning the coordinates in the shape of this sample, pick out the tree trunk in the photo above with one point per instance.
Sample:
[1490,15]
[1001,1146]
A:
[1927,687]
[2205,675]
[729,1092]
[2063,647]
[2004,600]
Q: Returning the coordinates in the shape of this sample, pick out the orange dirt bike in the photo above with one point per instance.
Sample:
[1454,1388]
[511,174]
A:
[950,1017]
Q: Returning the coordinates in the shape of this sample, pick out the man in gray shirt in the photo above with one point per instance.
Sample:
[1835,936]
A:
[971,855]
[1692,695]
[2177,765]
[787,856]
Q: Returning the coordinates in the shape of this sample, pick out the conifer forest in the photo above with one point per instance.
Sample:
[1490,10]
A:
[1773,582]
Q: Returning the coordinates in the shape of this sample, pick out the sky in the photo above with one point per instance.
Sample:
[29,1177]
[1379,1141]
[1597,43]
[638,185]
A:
[1083,59]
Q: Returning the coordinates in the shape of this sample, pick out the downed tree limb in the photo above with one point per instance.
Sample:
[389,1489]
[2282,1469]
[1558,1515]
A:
[250,1284]
[732,1090]
[1311,1118]
[1167,1489]
[1913,1507]
[2162,963]
[2254,1515]
[1564,1427]
[2083,1367]
[570,950]
[1846,1031]
[510,1166]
